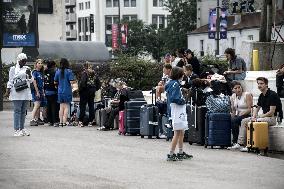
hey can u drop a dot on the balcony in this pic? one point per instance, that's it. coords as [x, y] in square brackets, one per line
[71, 34]
[69, 3]
[70, 17]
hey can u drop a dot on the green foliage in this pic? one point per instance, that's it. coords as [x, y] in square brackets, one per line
[5, 71]
[210, 60]
[182, 21]
[138, 74]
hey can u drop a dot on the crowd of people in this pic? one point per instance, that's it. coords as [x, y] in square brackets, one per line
[50, 89]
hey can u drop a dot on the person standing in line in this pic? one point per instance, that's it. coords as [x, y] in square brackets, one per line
[38, 92]
[178, 114]
[21, 98]
[51, 94]
[63, 78]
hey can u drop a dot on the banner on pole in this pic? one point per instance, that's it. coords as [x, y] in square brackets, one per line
[223, 23]
[124, 34]
[114, 36]
[19, 20]
[212, 23]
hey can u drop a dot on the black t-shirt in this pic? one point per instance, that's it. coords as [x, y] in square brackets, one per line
[269, 99]
[195, 65]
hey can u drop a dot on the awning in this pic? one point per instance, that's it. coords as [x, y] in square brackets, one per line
[79, 51]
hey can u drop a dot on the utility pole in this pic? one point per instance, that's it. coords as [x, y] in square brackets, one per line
[217, 39]
[1, 66]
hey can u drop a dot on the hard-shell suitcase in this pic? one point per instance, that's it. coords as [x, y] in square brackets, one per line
[132, 117]
[196, 124]
[149, 121]
[102, 115]
[257, 136]
[121, 128]
[218, 130]
[276, 138]
[115, 122]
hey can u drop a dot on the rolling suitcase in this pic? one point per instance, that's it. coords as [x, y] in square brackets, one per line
[132, 117]
[276, 138]
[121, 128]
[102, 114]
[196, 124]
[149, 121]
[218, 130]
[257, 136]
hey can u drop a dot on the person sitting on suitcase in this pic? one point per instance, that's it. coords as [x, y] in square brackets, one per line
[177, 113]
[161, 85]
[117, 104]
[241, 103]
[268, 100]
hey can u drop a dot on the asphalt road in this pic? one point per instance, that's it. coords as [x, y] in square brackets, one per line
[73, 157]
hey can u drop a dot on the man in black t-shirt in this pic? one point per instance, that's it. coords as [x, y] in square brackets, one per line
[269, 102]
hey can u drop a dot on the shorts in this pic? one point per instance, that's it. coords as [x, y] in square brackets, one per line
[40, 99]
[62, 98]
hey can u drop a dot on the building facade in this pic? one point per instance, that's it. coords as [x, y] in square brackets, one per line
[95, 17]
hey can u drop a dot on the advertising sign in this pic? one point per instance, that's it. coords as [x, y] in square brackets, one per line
[212, 23]
[114, 36]
[19, 18]
[92, 30]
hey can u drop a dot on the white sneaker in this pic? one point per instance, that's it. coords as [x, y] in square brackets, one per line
[234, 147]
[18, 133]
[25, 132]
[245, 149]
[162, 136]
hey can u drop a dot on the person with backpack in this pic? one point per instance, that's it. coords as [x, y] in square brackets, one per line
[270, 104]
[51, 94]
[177, 113]
[237, 66]
[63, 78]
[88, 85]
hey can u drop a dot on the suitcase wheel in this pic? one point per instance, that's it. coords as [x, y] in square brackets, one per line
[190, 143]
[222, 147]
[205, 146]
[149, 137]
[167, 139]
[142, 136]
[211, 147]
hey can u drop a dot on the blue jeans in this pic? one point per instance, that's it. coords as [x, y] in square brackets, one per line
[20, 107]
[236, 123]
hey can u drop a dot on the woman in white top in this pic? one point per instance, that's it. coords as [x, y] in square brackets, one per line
[20, 98]
[241, 103]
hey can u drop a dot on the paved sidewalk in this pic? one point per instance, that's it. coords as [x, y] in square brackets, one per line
[72, 157]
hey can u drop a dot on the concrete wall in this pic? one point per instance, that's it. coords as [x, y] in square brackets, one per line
[265, 54]
[51, 27]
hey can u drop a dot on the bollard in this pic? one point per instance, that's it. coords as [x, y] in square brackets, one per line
[255, 60]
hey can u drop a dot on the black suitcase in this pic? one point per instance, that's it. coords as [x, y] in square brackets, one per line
[196, 124]
[132, 117]
[149, 121]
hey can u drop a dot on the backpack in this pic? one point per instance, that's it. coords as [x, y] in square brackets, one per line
[218, 104]
[49, 80]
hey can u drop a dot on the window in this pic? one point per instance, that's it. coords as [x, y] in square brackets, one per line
[233, 42]
[45, 6]
[201, 47]
[81, 6]
[129, 3]
[112, 3]
[88, 5]
[129, 17]
[158, 20]
[250, 37]
[108, 3]
[109, 20]
[158, 3]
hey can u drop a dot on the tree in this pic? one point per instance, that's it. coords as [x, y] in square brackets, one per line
[181, 22]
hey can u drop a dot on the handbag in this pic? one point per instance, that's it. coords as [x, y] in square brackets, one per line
[20, 85]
